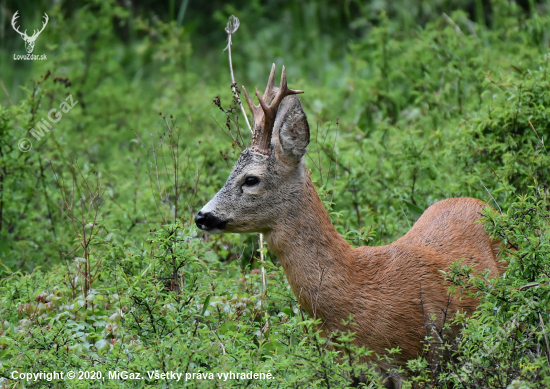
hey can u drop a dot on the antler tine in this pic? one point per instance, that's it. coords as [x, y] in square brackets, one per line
[284, 90]
[254, 108]
[269, 93]
[257, 115]
[270, 111]
[270, 89]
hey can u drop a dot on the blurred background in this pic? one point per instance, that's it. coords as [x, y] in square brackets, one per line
[305, 34]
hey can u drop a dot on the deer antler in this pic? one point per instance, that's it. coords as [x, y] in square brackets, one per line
[43, 26]
[264, 114]
[15, 16]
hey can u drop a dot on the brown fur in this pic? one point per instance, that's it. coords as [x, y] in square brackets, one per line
[392, 290]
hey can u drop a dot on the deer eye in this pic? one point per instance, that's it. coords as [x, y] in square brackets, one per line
[251, 181]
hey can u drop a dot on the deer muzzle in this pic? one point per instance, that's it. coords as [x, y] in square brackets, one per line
[208, 222]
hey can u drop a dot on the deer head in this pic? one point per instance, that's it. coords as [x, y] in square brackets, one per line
[269, 173]
[29, 40]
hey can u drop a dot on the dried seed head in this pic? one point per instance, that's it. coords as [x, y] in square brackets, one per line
[232, 24]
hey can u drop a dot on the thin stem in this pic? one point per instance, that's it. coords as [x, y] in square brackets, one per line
[232, 26]
[264, 283]
[500, 210]
[545, 340]
[158, 179]
[230, 32]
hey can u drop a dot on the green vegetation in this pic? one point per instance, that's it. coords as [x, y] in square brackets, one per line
[101, 266]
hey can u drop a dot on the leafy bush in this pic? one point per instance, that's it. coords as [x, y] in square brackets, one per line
[505, 342]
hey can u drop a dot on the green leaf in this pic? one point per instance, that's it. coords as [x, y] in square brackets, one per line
[414, 208]
[205, 304]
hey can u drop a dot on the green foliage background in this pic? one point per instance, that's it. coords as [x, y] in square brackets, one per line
[409, 102]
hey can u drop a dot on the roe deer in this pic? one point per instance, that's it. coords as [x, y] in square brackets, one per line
[392, 290]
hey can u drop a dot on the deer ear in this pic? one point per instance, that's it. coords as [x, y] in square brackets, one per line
[291, 129]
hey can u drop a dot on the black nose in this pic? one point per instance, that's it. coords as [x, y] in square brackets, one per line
[207, 221]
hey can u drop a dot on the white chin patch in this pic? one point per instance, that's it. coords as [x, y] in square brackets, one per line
[213, 231]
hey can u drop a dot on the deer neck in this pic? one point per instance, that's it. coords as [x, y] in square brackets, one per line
[315, 257]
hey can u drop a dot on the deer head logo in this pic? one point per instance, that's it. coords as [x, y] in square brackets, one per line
[29, 40]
